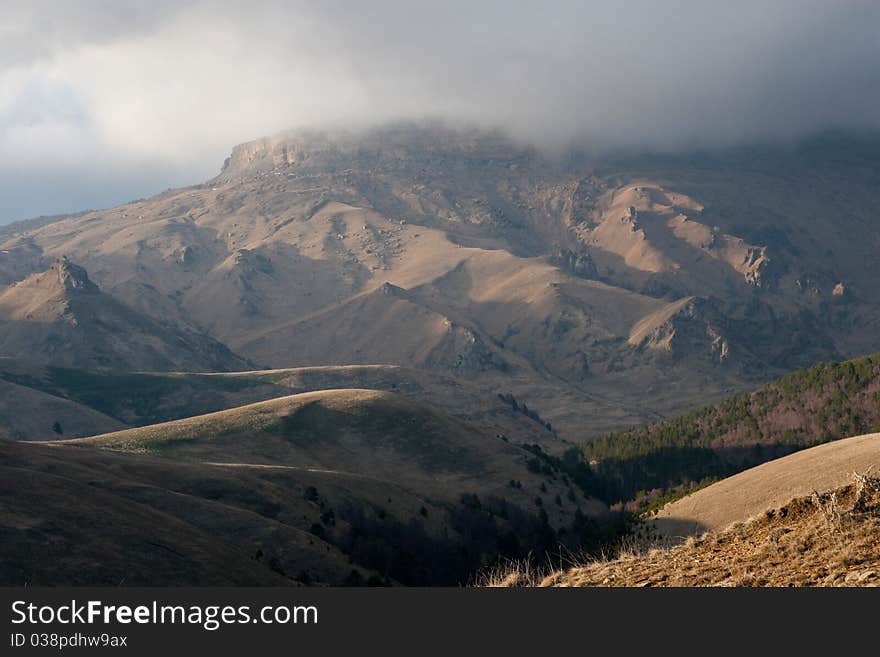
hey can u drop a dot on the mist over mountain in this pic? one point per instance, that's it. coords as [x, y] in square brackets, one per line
[599, 292]
[100, 103]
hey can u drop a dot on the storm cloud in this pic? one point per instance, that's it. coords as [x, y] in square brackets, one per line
[102, 100]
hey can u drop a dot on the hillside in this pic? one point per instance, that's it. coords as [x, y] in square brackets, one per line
[61, 317]
[804, 408]
[26, 414]
[318, 484]
[828, 541]
[143, 398]
[607, 293]
[769, 486]
[807, 519]
[359, 432]
[175, 524]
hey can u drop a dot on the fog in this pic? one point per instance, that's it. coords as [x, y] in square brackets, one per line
[105, 100]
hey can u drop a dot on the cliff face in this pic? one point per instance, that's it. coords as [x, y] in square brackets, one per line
[402, 145]
[71, 277]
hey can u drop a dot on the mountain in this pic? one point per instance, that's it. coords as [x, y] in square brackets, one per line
[804, 408]
[614, 289]
[60, 316]
[327, 487]
[401, 354]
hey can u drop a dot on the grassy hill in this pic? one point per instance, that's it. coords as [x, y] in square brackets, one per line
[386, 488]
[144, 398]
[770, 485]
[802, 409]
[366, 432]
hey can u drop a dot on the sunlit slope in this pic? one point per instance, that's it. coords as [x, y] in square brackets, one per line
[771, 485]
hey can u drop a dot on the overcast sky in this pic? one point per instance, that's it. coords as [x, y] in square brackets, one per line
[102, 101]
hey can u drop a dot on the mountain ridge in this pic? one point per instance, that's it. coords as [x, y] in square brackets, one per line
[549, 264]
[64, 317]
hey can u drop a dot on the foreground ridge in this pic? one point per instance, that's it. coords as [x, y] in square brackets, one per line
[828, 539]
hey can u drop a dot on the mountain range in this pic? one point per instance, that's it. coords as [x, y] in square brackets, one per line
[396, 355]
[602, 292]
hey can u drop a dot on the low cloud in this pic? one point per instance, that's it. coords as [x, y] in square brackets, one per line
[111, 99]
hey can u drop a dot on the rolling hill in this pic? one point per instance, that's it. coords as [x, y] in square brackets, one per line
[770, 485]
[142, 398]
[310, 488]
[359, 432]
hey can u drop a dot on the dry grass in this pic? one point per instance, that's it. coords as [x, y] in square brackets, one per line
[770, 485]
[828, 539]
[512, 573]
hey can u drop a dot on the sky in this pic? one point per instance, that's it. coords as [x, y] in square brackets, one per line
[103, 101]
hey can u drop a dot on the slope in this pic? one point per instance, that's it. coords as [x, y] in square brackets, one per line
[62, 317]
[142, 398]
[96, 518]
[28, 414]
[403, 492]
[823, 403]
[827, 539]
[770, 485]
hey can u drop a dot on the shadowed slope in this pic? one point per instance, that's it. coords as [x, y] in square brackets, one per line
[406, 493]
[358, 432]
[27, 414]
[142, 398]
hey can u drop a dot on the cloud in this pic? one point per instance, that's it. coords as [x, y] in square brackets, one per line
[156, 93]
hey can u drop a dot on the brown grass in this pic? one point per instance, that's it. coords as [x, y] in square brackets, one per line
[828, 539]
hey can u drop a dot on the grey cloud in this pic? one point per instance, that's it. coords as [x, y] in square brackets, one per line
[37, 29]
[173, 85]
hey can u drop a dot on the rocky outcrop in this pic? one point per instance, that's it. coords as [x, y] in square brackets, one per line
[691, 328]
[578, 263]
[404, 144]
[72, 278]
